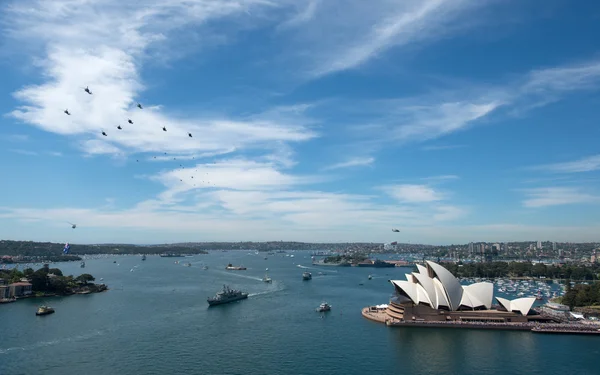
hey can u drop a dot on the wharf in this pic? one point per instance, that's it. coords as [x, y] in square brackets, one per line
[380, 316]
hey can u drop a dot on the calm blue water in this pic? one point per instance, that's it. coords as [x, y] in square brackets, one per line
[155, 320]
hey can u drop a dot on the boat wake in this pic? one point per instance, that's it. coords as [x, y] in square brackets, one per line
[42, 344]
[242, 276]
[266, 292]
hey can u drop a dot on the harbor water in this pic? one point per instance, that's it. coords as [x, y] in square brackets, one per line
[155, 320]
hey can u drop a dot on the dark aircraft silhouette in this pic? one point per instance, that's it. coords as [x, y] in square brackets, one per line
[396, 230]
[67, 112]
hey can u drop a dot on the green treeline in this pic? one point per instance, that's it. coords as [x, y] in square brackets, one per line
[50, 280]
[354, 258]
[50, 249]
[523, 269]
[582, 295]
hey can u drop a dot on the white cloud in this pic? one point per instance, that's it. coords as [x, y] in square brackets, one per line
[103, 46]
[353, 162]
[587, 164]
[554, 196]
[409, 193]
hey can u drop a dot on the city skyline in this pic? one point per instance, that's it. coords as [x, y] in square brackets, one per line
[453, 121]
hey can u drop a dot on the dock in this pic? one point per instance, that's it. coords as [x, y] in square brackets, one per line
[380, 315]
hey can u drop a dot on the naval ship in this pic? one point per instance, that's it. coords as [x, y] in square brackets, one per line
[226, 295]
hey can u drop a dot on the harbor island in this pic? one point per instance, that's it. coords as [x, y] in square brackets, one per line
[434, 297]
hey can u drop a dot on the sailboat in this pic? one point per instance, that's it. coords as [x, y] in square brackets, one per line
[267, 279]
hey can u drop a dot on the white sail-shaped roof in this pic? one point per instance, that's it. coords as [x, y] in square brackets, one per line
[483, 293]
[437, 287]
[427, 284]
[522, 305]
[441, 298]
[451, 284]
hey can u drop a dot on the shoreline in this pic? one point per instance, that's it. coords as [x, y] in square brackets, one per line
[381, 316]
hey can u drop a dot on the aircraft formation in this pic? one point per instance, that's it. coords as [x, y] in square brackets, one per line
[130, 121]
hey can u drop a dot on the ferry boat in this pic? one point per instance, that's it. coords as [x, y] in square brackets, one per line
[324, 307]
[226, 295]
[306, 276]
[44, 310]
[370, 277]
[82, 265]
[144, 257]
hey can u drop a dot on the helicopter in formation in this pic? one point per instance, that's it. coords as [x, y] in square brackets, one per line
[396, 230]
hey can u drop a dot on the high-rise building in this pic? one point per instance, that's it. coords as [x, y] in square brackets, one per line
[471, 248]
[539, 244]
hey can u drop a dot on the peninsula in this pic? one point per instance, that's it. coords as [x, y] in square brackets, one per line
[45, 282]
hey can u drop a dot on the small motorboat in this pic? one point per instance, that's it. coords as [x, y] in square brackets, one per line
[324, 307]
[205, 267]
[44, 310]
[370, 277]
[306, 276]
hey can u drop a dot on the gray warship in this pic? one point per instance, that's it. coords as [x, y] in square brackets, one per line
[226, 295]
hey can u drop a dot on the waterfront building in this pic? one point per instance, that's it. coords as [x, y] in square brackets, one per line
[434, 294]
[20, 289]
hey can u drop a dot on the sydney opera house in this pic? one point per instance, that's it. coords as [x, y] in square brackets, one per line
[433, 294]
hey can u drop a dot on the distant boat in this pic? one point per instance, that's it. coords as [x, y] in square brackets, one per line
[188, 264]
[82, 265]
[324, 307]
[144, 257]
[205, 267]
[44, 310]
[306, 276]
[171, 255]
[231, 267]
[370, 277]
[267, 279]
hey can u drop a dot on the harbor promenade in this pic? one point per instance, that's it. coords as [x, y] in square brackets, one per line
[381, 316]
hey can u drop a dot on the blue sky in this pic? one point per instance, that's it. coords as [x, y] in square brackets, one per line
[312, 120]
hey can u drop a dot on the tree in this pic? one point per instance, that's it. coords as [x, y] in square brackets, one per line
[55, 271]
[85, 278]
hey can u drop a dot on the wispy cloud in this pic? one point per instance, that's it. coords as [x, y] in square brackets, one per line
[353, 162]
[24, 152]
[442, 147]
[440, 178]
[409, 193]
[555, 196]
[587, 164]
[15, 137]
[364, 30]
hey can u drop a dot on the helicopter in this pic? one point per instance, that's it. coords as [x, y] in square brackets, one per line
[67, 112]
[396, 230]
[139, 106]
[164, 128]
[129, 121]
[73, 225]
[119, 127]
[104, 134]
[190, 135]
[87, 90]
